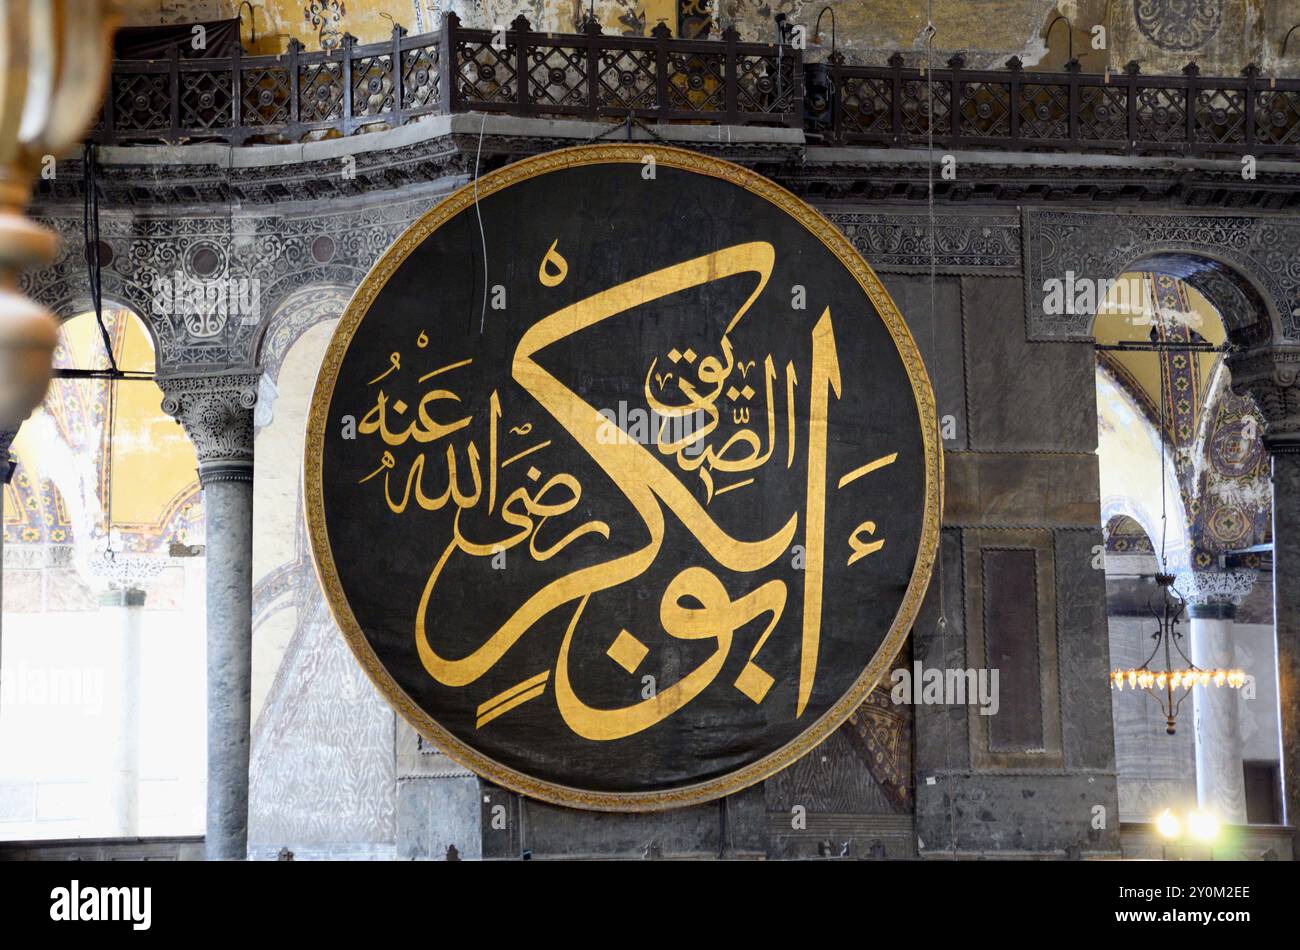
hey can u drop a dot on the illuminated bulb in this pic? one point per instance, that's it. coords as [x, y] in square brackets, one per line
[1219, 677]
[1161, 679]
[1168, 824]
[1145, 679]
[1132, 679]
[1205, 679]
[1203, 825]
[1237, 678]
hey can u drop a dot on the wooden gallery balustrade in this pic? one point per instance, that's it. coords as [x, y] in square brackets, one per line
[356, 88]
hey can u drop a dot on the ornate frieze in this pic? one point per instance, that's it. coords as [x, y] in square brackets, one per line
[209, 279]
[961, 244]
[207, 284]
[1215, 595]
[217, 413]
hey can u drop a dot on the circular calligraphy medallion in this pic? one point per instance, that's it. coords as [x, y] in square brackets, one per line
[642, 517]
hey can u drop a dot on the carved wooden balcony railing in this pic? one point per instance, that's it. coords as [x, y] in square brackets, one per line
[1015, 110]
[356, 88]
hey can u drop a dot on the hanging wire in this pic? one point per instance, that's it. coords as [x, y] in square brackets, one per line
[482, 235]
[1157, 327]
[934, 349]
[111, 424]
[90, 237]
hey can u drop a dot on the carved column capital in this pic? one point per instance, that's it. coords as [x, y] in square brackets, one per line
[1270, 375]
[1215, 594]
[217, 414]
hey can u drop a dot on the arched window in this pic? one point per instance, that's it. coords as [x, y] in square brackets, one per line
[101, 661]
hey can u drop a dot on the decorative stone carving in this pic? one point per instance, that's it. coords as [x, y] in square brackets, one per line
[963, 244]
[1269, 375]
[1178, 25]
[1244, 265]
[861, 176]
[125, 571]
[1215, 588]
[301, 226]
[270, 257]
[217, 413]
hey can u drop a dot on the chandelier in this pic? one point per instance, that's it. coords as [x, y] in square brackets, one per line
[1165, 684]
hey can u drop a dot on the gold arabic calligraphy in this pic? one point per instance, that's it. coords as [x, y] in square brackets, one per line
[695, 604]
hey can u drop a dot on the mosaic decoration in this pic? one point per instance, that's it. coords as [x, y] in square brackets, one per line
[35, 512]
[1217, 452]
[881, 733]
[1125, 536]
[1233, 496]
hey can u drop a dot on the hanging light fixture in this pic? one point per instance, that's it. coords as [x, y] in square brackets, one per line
[1168, 685]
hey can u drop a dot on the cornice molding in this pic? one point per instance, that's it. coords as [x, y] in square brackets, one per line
[448, 146]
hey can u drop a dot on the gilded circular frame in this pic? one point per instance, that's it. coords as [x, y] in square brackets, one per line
[318, 416]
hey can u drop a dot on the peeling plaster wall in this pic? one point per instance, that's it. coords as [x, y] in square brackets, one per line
[152, 12]
[1160, 35]
[988, 32]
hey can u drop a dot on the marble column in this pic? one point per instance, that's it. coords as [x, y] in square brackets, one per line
[1212, 601]
[123, 612]
[217, 413]
[1268, 373]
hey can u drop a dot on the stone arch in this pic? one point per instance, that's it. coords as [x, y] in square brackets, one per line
[1241, 303]
[1116, 520]
[1240, 264]
[284, 294]
[79, 301]
[143, 255]
[299, 309]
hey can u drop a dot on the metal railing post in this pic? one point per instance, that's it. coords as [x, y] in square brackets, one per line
[398, 83]
[447, 70]
[349, 43]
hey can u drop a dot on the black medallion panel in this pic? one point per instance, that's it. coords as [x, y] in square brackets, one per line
[621, 477]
